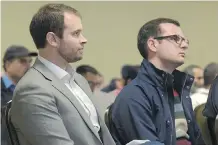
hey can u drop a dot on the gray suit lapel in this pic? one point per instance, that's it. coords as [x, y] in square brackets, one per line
[59, 85]
[67, 93]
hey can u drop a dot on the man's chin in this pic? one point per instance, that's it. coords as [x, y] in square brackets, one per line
[179, 63]
[75, 60]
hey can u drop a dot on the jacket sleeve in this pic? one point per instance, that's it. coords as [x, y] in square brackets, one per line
[211, 107]
[132, 118]
[34, 113]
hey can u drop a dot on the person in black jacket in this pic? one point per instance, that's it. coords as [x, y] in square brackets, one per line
[156, 105]
[16, 62]
[211, 109]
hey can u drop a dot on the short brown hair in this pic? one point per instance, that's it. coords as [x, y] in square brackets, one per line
[49, 18]
[151, 29]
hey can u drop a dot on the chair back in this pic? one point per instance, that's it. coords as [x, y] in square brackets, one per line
[110, 125]
[202, 123]
[11, 130]
[216, 128]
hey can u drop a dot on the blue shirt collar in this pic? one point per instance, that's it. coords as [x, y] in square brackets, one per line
[8, 83]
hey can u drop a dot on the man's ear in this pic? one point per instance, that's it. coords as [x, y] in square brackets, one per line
[52, 39]
[152, 44]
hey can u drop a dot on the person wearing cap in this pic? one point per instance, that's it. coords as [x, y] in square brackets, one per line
[16, 62]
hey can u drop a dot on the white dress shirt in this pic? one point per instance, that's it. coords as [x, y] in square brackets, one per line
[200, 97]
[68, 79]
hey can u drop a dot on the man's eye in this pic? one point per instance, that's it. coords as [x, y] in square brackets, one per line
[176, 38]
[77, 33]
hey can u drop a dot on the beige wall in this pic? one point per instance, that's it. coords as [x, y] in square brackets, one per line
[112, 27]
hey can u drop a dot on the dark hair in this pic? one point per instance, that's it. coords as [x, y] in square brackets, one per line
[210, 72]
[129, 72]
[111, 86]
[49, 18]
[151, 29]
[189, 69]
[83, 69]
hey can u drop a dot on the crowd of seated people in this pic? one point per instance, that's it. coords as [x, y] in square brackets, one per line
[103, 95]
[106, 95]
[152, 103]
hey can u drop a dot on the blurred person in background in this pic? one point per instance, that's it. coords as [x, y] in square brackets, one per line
[115, 85]
[90, 74]
[100, 81]
[197, 72]
[102, 99]
[16, 61]
[201, 94]
[211, 109]
[129, 72]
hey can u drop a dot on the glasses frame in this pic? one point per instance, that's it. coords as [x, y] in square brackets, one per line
[176, 38]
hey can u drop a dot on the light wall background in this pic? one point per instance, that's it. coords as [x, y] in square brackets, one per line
[111, 29]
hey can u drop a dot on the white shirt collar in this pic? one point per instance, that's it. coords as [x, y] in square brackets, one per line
[59, 72]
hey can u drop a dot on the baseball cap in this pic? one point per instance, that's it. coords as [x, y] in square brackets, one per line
[16, 51]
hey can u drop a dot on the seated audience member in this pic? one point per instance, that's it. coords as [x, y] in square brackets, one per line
[156, 105]
[201, 95]
[90, 74]
[129, 72]
[114, 86]
[16, 61]
[102, 100]
[100, 82]
[211, 108]
[197, 72]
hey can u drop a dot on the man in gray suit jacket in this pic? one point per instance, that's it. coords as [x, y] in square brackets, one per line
[51, 103]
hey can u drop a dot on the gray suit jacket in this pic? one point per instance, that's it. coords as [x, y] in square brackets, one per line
[45, 112]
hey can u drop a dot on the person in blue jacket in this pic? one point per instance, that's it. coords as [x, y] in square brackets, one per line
[156, 105]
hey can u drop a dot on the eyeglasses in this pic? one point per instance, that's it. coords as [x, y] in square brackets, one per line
[178, 39]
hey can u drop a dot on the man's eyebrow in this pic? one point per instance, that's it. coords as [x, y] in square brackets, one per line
[78, 30]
